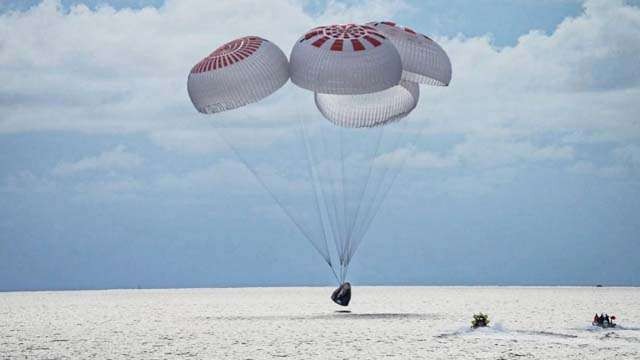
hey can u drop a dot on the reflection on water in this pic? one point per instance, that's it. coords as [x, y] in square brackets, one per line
[336, 315]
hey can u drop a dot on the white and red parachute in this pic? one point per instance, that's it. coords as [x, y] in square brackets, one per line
[423, 60]
[237, 73]
[365, 81]
[345, 59]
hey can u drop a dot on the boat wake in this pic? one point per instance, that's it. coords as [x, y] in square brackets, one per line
[498, 329]
[547, 333]
[493, 329]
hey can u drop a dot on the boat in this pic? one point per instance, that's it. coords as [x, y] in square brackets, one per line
[604, 324]
[480, 320]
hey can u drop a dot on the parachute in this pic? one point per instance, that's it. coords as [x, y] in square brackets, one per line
[369, 110]
[237, 73]
[423, 60]
[345, 59]
[330, 173]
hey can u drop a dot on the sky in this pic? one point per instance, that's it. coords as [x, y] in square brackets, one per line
[527, 171]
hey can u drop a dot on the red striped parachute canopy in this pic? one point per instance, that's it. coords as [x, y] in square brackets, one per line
[344, 60]
[237, 73]
[423, 60]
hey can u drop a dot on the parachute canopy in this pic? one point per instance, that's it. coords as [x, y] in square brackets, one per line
[345, 59]
[372, 109]
[237, 73]
[423, 60]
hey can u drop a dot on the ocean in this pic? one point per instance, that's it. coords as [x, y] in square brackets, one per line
[303, 323]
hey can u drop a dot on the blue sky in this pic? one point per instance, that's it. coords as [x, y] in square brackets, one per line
[527, 171]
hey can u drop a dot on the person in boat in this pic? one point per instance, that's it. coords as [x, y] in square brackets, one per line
[480, 320]
[604, 320]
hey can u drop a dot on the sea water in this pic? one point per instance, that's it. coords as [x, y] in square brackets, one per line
[303, 323]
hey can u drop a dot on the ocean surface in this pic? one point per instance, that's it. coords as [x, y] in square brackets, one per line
[303, 323]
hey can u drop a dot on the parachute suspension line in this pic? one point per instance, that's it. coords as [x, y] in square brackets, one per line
[346, 270]
[375, 187]
[385, 192]
[364, 202]
[339, 190]
[352, 209]
[335, 275]
[342, 188]
[378, 206]
[343, 273]
[368, 216]
[332, 198]
[326, 200]
[284, 209]
[312, 177]
[366, 185]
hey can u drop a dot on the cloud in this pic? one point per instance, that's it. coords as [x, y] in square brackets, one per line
[623, 161]
[428, 159]
[628, 154]
[109, 187]
[209, 139]
[225, 174]
[579, 79]
[26, 181]
[230, 176]
[411, 158]
[481, 154]
[124, 71]
[116, 159]
[476, 184]
[584, 167]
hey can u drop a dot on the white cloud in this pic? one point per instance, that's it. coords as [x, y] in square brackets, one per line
[223, 175]
[208, 139]
[188, 140]
[109, 187]
[493, 154]
[623, 161]
[584, 167]
[125, 71]
[482, 154]
[477, 184]
[430, 160]
[415, 159]
[582, 78]
[116, 159]
[454, 183]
